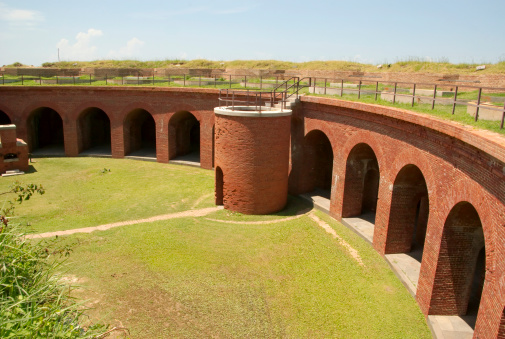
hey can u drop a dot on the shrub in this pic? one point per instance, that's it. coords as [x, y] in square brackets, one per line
[34, 302]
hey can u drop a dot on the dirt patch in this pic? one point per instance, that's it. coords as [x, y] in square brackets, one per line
[352, 251]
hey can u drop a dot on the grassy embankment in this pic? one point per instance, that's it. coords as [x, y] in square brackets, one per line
[410, 65]
[194, 277]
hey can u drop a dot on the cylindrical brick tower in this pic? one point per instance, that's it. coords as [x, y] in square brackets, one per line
[252, 159]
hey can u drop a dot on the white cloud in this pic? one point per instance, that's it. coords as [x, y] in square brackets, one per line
[19, 17]
[82, 48]
[131, 49]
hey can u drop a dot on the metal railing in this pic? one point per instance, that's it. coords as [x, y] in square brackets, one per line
[282, 89]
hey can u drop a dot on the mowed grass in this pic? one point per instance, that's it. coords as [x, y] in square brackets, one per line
[80, 193]
[195, 277]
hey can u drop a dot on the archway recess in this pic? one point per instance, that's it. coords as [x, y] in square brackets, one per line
[45, 132]
[184, 136]
[140, 134]
[461, 265]
[361, 187]
[94, 132]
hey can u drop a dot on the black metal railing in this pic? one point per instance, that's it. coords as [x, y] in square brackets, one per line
[282, 89]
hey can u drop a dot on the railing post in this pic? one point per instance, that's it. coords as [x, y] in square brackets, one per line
[40, 80]
[261, 82]
[73, 79]
[413, 94]
[325, 82]
[153, 78]
[105, 79]
[245, 81]
[359, 90]
[478, 104]
[215, 81]
[122, 80]
[90, 78]
[376, 89]
[233, 101]
[455, 98]
[502, 116]
[315, 80]
[200, 80]
[57, 82]
[230, 81]
[168, 84]
[184, 81]
[342, 87]
[434, 97]
[394, 94]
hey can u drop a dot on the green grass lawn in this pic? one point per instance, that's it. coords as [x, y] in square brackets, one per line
[194, 277]
[79, 194]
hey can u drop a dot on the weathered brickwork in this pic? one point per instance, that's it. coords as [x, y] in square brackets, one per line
[443, 179]
[253, 155]
[13, 151]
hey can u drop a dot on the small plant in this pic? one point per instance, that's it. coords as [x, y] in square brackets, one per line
[34, 303]
[105, 171]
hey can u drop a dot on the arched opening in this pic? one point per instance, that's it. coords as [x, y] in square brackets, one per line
[408, 216]
[460, 273]
[4, 119]
[140, 134]
[94, 132]
[45, 132]
[318, 154]
[361, 187]
[184, 135]
[219, 186]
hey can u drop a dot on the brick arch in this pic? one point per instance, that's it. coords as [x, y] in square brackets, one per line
[409, 211]
[77, 111]
[139, 132]
[44, 129]
[458, 274]
[318, 161]
[94, 130]
[361, 181]
[183, 134]
[402, 159]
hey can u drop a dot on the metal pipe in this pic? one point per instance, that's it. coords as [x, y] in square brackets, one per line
[394, 94]
[478, 104]
[359, 90]
[434, 97]
[413, 95]
[455, 98]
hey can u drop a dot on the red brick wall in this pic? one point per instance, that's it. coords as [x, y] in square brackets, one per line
[253, 154]
[458, 164]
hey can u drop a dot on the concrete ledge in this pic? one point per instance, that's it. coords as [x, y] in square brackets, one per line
[250, 111]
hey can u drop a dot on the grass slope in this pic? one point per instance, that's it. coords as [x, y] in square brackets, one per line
[409, 66]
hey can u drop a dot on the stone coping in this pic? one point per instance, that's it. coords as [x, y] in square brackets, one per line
[7, 127]
[250, 111]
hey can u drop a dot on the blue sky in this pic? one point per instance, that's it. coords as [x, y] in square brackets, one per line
[363, 30]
